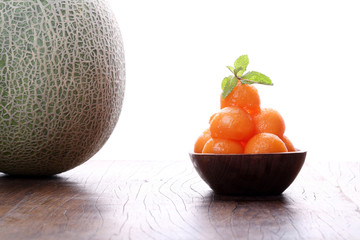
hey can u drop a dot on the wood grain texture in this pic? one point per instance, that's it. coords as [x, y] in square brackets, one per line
[168, 200]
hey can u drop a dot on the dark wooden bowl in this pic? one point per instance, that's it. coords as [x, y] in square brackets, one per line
[248, 174]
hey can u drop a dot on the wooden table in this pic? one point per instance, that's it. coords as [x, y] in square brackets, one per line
[168, 200]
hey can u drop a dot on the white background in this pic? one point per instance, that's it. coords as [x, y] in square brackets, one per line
[176, 57]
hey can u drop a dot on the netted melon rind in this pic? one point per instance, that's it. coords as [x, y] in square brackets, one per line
[62, 82]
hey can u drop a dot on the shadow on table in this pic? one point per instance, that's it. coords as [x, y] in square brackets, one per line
[283, 199]
[53, 207]
[215, 201]
[249, 217]
[52, 187]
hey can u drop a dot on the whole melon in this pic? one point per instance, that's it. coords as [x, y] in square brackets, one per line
[62, 83]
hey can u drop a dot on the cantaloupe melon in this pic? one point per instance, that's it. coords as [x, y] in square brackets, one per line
[62, 83]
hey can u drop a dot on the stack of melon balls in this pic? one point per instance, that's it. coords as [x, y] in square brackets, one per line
[241, 125]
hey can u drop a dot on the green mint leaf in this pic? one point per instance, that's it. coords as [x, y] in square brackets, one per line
[224, 82]
[230, 68]
[243, 62]
[255, 77]
[239, 71]
[229, 85]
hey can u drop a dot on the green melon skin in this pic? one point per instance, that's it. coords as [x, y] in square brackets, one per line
[62, 83]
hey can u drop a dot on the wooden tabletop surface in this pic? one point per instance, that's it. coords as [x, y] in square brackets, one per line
[168, 200]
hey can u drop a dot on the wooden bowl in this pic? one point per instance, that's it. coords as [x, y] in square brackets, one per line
[248, 174]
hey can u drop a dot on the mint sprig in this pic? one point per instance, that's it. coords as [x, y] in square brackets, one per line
[238, 71]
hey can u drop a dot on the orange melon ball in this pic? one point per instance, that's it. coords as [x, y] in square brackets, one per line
[290, 147]
[232, 123]
[269, 121]
[211, 117]
[265, 143]
[223, 146]
[200, 142]
[243, 96]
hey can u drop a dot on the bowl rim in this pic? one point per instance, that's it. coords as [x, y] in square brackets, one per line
[248, 154]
